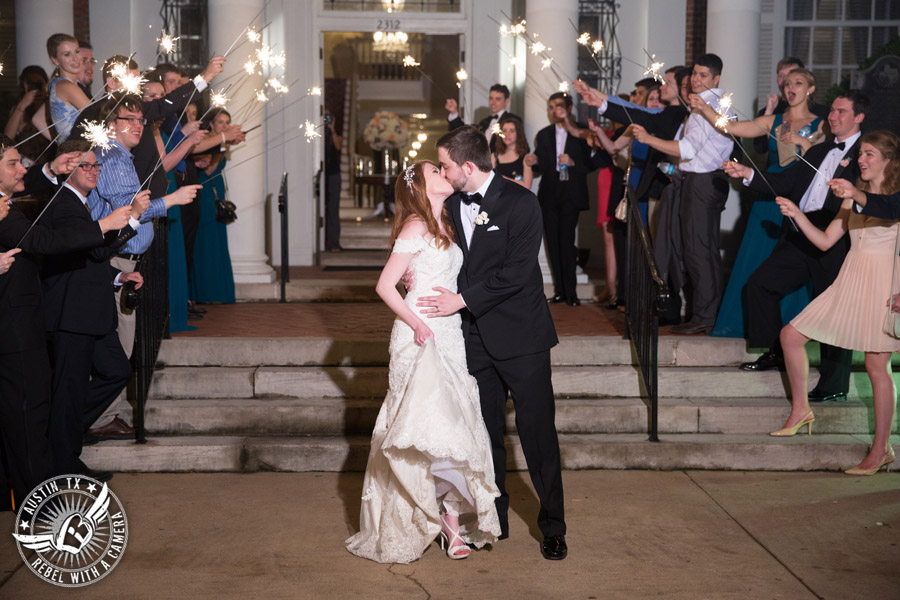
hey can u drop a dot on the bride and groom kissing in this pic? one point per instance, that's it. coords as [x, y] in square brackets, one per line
[473, 327]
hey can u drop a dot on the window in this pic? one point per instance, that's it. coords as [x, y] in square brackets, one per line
[833, 36]
[395, 6]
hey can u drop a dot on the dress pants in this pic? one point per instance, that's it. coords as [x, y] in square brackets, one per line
[25, 458]
[560, 221]
[332, 211]
[786, 269]
[528, 379]
[89, 372]
[703, 197]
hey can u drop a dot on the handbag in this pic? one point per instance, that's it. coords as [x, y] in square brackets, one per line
[622, 207]
[226, 210]
[891, 324]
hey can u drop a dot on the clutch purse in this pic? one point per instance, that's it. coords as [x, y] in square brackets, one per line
[226, 210]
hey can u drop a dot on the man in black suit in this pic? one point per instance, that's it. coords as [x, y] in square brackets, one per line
[795, 260]
[90, 367]
[25, 458]
[563, 160]
[505, 319]
[498, 102]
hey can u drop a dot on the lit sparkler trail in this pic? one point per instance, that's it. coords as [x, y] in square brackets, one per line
[253, 35]
[546, 63]
[409, 61]
[310, 132]
[167, 42]
[654, 68]
[97, 134]
[218, 99]
[244, 30]
[495, 130]
[132, 83]
[461, 76]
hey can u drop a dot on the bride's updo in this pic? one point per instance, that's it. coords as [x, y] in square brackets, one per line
[411, 202]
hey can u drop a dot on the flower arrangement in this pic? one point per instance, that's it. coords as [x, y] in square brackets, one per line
[386, 131]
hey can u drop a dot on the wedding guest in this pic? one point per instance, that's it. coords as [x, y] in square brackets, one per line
[563, 160]
[790, 134]
[89, 366]
[26, 119]
[66, 98]
[86, 78]
[867, 280]
[430, 469]
[511, 148]
[25, 372]
[333, 144]
[795, 261]
[498, 103]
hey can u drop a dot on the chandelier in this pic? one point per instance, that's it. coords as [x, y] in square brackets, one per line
[394, 42]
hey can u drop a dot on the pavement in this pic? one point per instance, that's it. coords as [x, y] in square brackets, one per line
[632, 534]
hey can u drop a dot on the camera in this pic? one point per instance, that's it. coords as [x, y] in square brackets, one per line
[131, 298]
[328, 118]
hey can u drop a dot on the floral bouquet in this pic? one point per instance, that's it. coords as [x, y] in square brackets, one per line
[386, 131]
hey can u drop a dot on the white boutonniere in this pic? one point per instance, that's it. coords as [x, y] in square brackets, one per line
[482, 218]
[845, 162]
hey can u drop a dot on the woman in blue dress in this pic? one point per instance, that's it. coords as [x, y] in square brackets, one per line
[65, 98]
[213, 278]
[791, 134]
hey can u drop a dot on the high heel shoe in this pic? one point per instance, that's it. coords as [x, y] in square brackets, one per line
[789, 431]
[885, 462]
[457, 552]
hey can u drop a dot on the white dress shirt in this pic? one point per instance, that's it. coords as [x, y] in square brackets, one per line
[561, 134]
[814, 197]
[468, 212]
[703, 148]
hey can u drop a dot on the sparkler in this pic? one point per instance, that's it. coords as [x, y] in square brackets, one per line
[245, 29]
[218, 99]
[253, 35]
[310, 131]
[132, 83]
[409, 61]
[97, 134]
[461, 76]
[495, 130]
[167, 42]
[654, 68]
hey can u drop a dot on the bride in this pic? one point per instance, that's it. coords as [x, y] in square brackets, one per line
[430, 471]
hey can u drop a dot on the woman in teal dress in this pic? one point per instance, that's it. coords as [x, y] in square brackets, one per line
[213, 279]
[790, 133]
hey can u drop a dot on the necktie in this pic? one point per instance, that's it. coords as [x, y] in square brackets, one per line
[468, 199]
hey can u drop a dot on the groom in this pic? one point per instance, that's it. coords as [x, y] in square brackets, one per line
[505, 319]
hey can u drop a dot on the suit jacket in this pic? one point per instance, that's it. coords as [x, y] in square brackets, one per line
[882, 206]
[78, 286]
[500, 279]
[21, 315]
[551, 189]
[793, 182]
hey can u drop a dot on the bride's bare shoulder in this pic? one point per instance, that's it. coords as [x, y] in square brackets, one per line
[412, 229]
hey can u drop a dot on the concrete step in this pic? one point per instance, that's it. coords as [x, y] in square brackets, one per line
[568, 381]
[827, 452]
[682, 351]
[336, 416]
[354, 258]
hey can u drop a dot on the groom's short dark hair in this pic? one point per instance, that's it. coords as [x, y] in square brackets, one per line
[467, 144]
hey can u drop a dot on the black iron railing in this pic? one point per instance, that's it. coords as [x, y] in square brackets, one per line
[646, 296]
[152, 321]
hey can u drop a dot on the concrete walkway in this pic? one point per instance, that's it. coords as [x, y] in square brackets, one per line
[632, 534]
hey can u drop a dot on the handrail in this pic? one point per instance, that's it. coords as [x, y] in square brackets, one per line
[646, 295]
[152, 321]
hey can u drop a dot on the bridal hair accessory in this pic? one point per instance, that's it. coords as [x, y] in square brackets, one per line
[408, 176]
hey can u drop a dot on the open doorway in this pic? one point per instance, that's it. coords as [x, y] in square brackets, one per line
[387, 116]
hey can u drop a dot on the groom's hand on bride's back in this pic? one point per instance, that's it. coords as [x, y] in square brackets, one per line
[444, 304]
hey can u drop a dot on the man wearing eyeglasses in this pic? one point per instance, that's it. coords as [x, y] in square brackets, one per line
[90, 367]
[117, 185]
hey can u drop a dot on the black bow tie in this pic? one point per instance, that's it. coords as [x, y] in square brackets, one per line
[840, 145]
[494, 116]
[468, 199]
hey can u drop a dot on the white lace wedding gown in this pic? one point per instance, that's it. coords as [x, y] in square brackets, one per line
[429, 438]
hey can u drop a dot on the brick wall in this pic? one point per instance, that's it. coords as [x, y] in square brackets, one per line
[81, 14]
[695, 45]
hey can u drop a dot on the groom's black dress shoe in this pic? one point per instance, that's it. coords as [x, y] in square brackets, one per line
[554, 547]
[573, 301]
[818, 395]
[766, 362]
[557, 299]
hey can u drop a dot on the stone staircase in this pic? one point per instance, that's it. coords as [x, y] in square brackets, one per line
[309, 404]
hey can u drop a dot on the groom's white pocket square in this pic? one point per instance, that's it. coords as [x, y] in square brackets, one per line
[493, 228]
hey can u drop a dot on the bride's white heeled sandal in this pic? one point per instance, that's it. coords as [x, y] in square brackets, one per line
[457, 552]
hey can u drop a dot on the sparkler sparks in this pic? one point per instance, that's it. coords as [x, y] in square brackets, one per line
[167, 42]
[310, 132]
[725, 103]
[564, 87]
[517, 29]
[132, 83]
[654, 69]
[218, 99]
[409, 61]
[597, 46]
[97, 134]
[250, 67]
[545, 64]
[495, 130]
[313, 91]
[118, 70]
[461, 75]
[538, 47]
[261, 96]
[584, 39]
[253, 35]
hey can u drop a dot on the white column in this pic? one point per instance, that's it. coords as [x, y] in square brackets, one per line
[246, 182]
[732, 32]
[549, 20]
[36, 20]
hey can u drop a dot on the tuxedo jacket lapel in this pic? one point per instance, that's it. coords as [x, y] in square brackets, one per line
[453, 205]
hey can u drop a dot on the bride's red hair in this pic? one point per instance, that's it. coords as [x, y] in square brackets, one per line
[411, 202]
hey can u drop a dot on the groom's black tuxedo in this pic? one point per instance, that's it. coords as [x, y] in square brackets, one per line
[509, 333]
